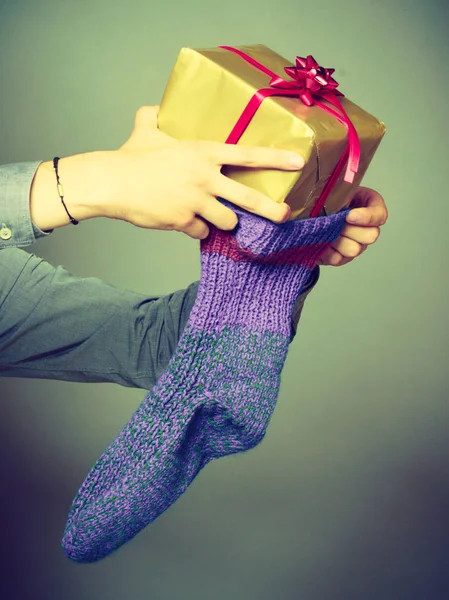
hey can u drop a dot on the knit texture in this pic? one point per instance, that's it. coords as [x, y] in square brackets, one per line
[219, 390]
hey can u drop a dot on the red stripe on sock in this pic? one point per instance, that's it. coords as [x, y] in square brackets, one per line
[224, 243]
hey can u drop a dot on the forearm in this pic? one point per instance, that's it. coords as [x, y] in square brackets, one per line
[55, 325]
[78, 179]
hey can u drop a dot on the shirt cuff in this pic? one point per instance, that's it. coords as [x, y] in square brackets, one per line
[16, 226]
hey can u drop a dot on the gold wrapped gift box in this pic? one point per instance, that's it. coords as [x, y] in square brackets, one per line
[207, 92]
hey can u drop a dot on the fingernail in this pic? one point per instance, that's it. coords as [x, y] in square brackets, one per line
[296, 160]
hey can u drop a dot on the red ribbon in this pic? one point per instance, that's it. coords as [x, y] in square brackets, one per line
[312, 84]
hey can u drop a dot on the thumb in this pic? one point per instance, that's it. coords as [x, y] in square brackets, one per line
[145, 128]
[146, 117]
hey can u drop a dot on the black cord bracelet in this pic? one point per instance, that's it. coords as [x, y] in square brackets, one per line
[61, 191]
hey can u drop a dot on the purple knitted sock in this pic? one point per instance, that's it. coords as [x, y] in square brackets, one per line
[219, 390]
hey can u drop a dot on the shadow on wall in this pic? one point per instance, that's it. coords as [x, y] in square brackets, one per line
[34, 502]
[397, 549]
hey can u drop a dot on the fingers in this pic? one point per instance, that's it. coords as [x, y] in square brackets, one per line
[248, 199]
[342, 251]
[348, 248]
[331, 257]
[370, 208]
[362, 235]
[197, 229]
[353, 241]
[249, 156]
[222, 217]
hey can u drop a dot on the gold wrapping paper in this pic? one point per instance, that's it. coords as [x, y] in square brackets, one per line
[208, 90]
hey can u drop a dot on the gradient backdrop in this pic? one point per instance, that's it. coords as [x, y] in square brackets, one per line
[348, 495]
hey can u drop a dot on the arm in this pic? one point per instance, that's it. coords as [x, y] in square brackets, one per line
[55, 325]
[30, 206]
[77, 174]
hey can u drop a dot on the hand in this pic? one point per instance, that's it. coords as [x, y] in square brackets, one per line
[370, 208]
[157, 182]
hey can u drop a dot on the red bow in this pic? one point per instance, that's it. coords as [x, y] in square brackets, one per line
[309, 78]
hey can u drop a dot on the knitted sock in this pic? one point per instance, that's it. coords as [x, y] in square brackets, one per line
[219, 390]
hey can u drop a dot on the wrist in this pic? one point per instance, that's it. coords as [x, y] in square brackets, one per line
[76, 175]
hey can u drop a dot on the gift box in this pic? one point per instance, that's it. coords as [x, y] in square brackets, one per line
[252, 96]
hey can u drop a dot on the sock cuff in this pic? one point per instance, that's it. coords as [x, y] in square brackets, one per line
[259, 240]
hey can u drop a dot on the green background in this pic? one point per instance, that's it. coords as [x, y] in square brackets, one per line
[348, 495]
